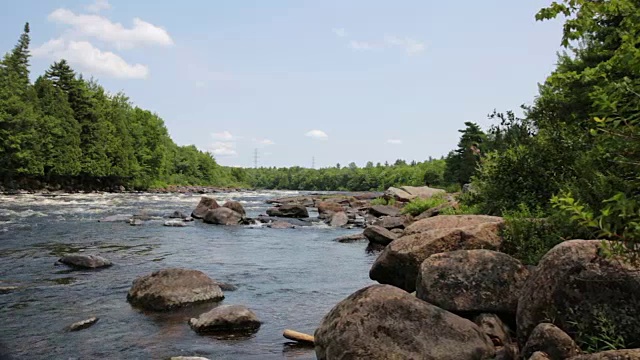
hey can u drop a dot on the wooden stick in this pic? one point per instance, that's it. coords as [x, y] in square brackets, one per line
[298, 336]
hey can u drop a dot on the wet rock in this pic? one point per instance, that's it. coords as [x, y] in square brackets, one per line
[626, 354]
[549, 339]
[380, 320]
[177, 215]
[328, 208]
[577, 275]
[400, 261]
[226, 286]
[206, 204]
[235, 206]
[222, 216]
[379, 235]
[292, 211]
[176, 223]
[116, 218]
[136, 222]
[188, 219]
[472, 281]
[7, 289]
[171, 288]
[392, 222]
[80, 325]
[85, 261]
[492, 325]
[339, 219]
[281, 225]
[384, 210]
[226, 319]
[351, 238]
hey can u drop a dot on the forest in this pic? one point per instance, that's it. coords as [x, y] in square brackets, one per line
[66, 132]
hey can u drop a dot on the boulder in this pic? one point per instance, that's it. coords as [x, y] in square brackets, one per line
[472, 281]
[85, 261]
[292, 210]
[538, 355]
[626, 354]
[492, 325]
[577, 275]
[549, 339]
[400, 261]
[327, 208]
[206, 204]
[384, 322]
[408, 193]
[450, 222]
[392, 222]
[226, 319]
[351, 238]
[281, 225]
[80, 325]
[339, 219]
[434, 211]
[222, 216]
[398, 194]
[171, 288]
[379, 235]
[384, 210]
[235, 206]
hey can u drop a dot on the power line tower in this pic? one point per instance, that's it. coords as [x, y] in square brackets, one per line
[255, 158]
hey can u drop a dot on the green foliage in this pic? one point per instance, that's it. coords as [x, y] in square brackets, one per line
[418, 205]
[601, 336]
[383, 201]
[66, 131]
[461, 164]
[461, 209]
[528, 233]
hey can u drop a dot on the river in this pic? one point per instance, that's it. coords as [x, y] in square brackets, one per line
[289, 277]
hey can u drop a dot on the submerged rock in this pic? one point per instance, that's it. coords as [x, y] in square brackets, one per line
[80, 325]
[85, 261]
[351, 238]
[281, 225]
[170, 288]
[177, 215]
[226, 319]
[381, 320]
[206, 203]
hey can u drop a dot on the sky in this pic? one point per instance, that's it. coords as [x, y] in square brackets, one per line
[301, 82]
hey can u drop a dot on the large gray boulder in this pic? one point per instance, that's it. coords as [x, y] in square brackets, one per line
[289, 210]
[222, 216]
[171, 288]
[226, 319]
[577, 275]
[384, 210]
[235, 206]
[206, 204]
[379, 235]
[85, 261]
[408, 193]
[384, 322]
[472, 281]
[400, 261]
[339, 219]
[392, 222]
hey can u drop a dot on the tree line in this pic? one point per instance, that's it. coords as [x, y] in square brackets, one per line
[63, 131]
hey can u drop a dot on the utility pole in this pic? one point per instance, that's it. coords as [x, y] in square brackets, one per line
[255, 158]
[313, 162]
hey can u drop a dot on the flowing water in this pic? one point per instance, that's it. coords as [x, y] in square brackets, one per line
[289, 277]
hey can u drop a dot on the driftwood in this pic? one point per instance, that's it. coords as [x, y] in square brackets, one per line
[298, 336]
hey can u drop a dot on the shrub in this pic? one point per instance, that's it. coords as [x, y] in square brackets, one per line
[419, 205]
[462, 209]
[383, 201]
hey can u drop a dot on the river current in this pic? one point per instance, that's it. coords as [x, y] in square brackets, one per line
[289, 277]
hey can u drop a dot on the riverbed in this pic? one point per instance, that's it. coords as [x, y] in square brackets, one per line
[289, 277]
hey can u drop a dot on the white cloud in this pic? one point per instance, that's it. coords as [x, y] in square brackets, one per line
[340, 32]
[87, 57]
[220, 148]
[142, 32]
[225, 135]
[394, 141]
[98, 5]
[317, 134]
[411, 46]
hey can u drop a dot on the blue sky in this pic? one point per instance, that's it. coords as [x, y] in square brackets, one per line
[337, 80]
